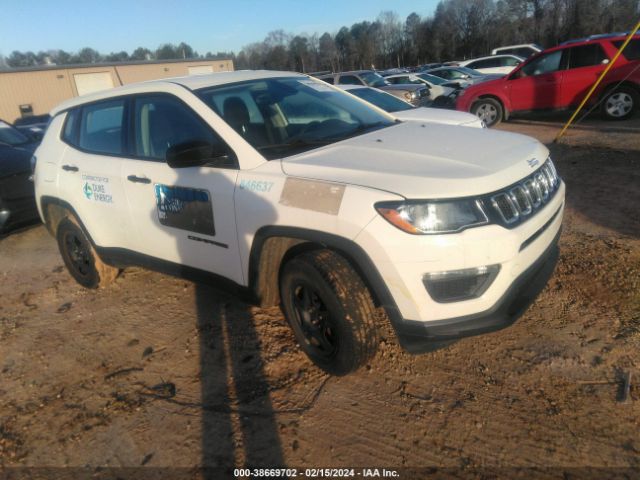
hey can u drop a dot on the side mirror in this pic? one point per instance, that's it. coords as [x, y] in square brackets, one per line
[193, 154]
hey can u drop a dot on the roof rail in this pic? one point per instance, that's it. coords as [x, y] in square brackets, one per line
[595, 37]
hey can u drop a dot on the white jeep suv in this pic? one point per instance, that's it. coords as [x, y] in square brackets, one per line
[311, 198]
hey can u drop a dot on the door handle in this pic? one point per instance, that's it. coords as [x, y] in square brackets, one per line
[134, 179]
[70, 168]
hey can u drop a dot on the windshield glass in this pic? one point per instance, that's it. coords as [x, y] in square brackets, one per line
[373, 79]
[382, 100]
[285, 116]
[407, 80]
[432, 78]
[10, 135]
[469, 71]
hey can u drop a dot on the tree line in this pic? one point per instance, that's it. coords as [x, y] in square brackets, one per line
[457, 29]
[166, 51]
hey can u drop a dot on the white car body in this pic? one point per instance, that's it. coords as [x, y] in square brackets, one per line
[425, 114]
[435, 90]
[503, 64]
[326, 195]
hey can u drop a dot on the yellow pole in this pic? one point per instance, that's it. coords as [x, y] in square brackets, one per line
[595, 85]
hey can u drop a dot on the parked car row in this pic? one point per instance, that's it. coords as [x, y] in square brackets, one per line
[517, 79]
[417, 95]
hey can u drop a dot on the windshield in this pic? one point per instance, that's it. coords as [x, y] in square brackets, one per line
[432, 78]
[382, 100]
[407, 80]
[11, 135]
[469, 71]
[373, 79]
[284, 116]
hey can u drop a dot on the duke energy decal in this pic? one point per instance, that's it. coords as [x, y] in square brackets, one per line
[97, 189]
[185, 208]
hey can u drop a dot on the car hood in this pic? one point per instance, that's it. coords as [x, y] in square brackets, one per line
[14, 160]
[423, 161]
[438, 115]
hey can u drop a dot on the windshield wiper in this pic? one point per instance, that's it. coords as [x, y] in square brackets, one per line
[298, 142]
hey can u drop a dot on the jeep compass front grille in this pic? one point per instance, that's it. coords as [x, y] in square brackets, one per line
[519, 202]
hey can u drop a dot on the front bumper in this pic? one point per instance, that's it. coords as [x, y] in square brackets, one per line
[415, 336]
[526, 255]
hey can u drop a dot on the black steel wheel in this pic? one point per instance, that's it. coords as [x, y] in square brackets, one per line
[330, 311]
[314, 320]
[81, 260]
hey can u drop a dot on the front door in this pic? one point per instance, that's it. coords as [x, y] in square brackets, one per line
[182, 215]
[537, 85]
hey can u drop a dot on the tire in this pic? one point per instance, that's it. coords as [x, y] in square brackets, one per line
[619, 103]
[488, 110]
[330, 311]
[80, 257]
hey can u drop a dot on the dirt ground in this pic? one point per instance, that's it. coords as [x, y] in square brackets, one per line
[160, 373]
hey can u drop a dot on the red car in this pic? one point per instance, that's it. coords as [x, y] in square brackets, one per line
[559, 78]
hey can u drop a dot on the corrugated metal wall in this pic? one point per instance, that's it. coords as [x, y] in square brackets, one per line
[44, 89]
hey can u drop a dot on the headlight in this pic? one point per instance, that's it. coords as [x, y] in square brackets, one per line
[407, 95]
[433, 217]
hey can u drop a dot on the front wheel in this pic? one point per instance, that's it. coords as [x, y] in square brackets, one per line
[619, 103]
[330, 311]
[488, 110]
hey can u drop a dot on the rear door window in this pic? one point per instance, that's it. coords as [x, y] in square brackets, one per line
[349, 80]
[586, 56]
[101, 127]
[486, 63]
[509, 61]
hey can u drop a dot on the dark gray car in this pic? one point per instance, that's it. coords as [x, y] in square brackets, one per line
[17, 197]
[417, 95]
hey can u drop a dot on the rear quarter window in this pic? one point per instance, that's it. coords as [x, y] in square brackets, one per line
[632, 51]
[70, 129]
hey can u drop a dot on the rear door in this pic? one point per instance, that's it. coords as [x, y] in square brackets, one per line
[181, 215]
[537, 85]
[586, 63]
[89, 176]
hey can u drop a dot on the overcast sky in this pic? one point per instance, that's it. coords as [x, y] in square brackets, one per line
[206, 25]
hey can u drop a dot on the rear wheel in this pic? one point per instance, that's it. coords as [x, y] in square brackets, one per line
[80, 257]
[330, 311]
[488, 110]
[619, 103]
